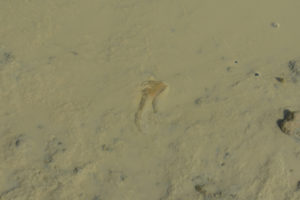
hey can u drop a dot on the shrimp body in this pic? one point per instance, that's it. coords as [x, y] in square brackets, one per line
[151, 89]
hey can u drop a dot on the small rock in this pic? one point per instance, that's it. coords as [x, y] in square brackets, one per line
[290, 124]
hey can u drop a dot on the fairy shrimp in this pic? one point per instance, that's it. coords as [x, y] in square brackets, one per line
[151, 90]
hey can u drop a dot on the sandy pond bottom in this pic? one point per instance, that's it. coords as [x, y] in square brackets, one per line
[70, 88]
